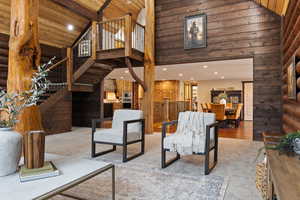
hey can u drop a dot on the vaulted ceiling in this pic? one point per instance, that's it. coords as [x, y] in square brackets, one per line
[54, 18]
[277, 6]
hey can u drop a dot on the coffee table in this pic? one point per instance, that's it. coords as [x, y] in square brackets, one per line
[73, 172]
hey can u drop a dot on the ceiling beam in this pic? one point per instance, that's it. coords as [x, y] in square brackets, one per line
[78, 9]
[106, 3]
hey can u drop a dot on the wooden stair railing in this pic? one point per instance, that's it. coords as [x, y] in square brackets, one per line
[120, 33]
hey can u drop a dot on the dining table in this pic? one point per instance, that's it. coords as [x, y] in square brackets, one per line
[228, 111]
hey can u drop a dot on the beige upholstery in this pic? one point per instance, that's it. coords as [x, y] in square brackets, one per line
[115, 134]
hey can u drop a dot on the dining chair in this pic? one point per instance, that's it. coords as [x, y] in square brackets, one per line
[203, 107]
[236, 118]
[208, 106]
[229, 105]
[219, 110]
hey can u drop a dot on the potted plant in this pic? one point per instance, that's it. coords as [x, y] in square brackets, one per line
[222, 98]
[289, 145]
[11, 104]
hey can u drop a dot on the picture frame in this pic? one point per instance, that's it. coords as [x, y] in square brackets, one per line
[291, 79]
[195, 31]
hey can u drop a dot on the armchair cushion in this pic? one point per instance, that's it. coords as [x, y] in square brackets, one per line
[115, 135]
[125, 115]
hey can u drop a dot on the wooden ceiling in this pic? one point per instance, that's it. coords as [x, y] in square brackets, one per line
[54, 18]
[277, 6]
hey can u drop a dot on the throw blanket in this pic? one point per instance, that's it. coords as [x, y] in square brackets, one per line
[189, 136]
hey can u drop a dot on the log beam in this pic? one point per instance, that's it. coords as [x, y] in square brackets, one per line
[134, 75]
[24, 57]
[149, 66]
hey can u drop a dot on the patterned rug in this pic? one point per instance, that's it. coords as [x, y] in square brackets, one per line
[137, 184]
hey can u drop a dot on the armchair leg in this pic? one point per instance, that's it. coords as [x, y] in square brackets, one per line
[126, 159]
[207, 168]
[164, 162]
[94, 154]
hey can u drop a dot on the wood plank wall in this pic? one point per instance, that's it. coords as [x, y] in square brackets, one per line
[236, 29]
[3, 59]
[290, 44]
[86, 106]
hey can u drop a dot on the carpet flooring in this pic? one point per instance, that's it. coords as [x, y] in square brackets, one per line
[141, 178]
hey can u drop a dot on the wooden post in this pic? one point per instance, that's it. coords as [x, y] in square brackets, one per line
[149, 68]
[128, 35]
[102, 102]
[24, 57]
[70, 68]
[94, 40]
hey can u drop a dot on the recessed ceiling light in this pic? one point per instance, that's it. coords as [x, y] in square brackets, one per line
[222, 77]
[122, 77]
[165, 69]
[215, 73]
[126, 71]
[70, 27]
[205, 66]
[180, 74]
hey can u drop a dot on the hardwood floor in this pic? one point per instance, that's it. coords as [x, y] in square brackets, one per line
[244, 131]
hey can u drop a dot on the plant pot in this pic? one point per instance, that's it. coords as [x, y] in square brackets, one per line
[6, 129]
[10, 151]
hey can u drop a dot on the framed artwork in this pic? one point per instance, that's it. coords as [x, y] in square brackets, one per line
[195, 31]
[291, 80]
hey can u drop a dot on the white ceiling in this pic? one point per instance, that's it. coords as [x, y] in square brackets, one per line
[216, 70]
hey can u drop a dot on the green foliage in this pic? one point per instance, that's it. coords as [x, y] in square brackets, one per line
[13, 103]
[222, 96]
[285, 146]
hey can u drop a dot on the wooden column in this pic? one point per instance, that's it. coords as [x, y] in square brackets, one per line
[149, 68]
[70, 68]
[24, 57]
[102, 102]
[94, 40]
[128, 35]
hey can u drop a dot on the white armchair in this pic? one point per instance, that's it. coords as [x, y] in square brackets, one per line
[201, 137]
[128, 127]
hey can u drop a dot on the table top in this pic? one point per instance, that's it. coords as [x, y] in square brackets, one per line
[284, 170]
[285, 175]
[71, 169]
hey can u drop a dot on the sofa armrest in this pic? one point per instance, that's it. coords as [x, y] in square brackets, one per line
[165, 125]
[95, 121]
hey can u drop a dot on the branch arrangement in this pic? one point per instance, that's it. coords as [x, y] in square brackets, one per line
[11, 104]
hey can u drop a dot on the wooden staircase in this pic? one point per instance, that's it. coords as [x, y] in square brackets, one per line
[108, 45]
[89, 74]
[83, 73]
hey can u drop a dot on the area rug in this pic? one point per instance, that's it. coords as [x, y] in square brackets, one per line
[137, 184]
